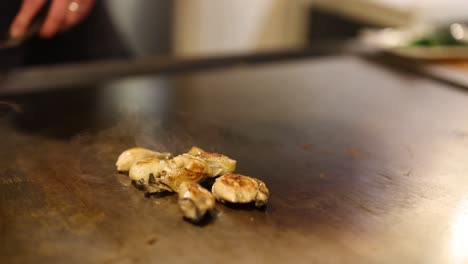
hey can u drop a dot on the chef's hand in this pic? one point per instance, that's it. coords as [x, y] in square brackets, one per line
[62, 15]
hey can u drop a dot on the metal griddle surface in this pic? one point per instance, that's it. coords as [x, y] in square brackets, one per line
[365, 165]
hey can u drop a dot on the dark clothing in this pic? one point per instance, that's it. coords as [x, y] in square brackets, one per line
[93, 39]
[8, 10]
[10, 57]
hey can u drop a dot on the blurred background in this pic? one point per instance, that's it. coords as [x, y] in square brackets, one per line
[205, 27]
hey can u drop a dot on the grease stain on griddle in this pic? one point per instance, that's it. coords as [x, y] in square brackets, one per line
[152, 241]
[356, 153]
[307, 147]
[384, 175]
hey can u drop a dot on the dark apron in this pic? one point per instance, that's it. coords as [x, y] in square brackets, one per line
[94, 39]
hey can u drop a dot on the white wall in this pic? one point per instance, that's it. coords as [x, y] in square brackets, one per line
[443, 10]
[145, 24]
[228, 26]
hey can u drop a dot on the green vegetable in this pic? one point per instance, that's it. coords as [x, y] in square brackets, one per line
[437, 39]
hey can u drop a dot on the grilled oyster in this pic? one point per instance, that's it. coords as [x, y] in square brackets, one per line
[237, 188]
[144, 173]
[218, 163]
[195, 201]
[157, 175]
[130, 156]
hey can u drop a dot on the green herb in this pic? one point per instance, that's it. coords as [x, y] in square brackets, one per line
[437, 39]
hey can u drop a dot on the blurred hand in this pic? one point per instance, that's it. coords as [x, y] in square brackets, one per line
[62, 15]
